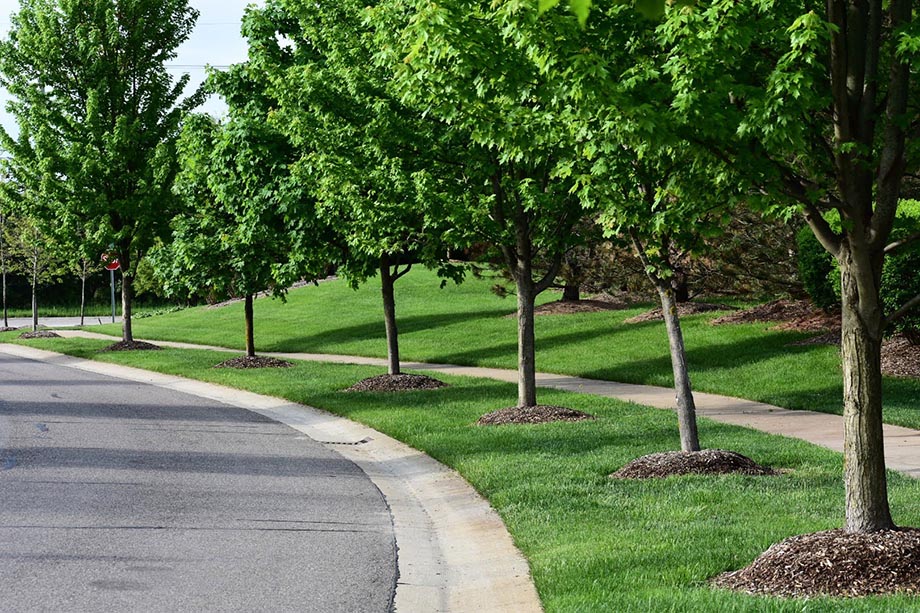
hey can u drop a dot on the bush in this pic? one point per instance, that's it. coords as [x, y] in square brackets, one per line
[900, 278]
[816, 268]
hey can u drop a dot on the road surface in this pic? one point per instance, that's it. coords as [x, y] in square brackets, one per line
[118, 496]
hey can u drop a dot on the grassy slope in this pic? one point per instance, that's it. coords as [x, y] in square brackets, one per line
[466, 324]
[594, 544]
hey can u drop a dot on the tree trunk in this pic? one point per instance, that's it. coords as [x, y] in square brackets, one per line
[686, 408]
[861, 342]
[250, 338]
[389, 315]
[527, 376]
[681, 287]
[34, 290]
[571, 292]
[6, 319]
[127, 298]
[83, 293]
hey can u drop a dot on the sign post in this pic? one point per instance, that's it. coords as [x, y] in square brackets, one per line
[111, 265]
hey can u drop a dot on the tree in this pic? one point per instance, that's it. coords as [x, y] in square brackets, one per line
[4, 220]
[455, 62]
[89, 78]
[823, 100]
[236, 183]
[33, 254]
[363, 153]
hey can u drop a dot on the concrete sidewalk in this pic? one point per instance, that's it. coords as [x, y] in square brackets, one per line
[62, 322]
[902, 445]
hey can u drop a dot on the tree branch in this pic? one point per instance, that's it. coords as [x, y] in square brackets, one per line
[397, 274]
[550, 275]
[913, 302]
[904, 241]
[823, 231]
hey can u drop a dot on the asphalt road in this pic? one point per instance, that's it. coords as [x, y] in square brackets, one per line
[116, 496]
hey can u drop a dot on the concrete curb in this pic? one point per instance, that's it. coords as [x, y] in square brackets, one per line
[902, 445]
[454, 552]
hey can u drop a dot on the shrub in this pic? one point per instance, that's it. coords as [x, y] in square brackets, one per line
[816, 268]
[901, 275]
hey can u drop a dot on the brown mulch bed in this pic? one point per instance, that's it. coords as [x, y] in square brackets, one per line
[7, 329]
[539, 414]
[900, 358]
[396, 383]
[259, 361]
[40, 334]
[132, 346]
[796, 315]
[705, 462]
[833, 563]
[683, 309]
[568, 307]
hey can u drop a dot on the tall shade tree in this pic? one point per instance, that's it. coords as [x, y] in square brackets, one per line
[363, 153]
[825, 99]
[455, 61]
[91, 75]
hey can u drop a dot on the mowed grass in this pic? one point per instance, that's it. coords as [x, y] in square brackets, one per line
[593, 543]
[469, 325]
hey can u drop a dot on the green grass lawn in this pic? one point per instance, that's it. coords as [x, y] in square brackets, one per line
[468, 325]
[594, 544]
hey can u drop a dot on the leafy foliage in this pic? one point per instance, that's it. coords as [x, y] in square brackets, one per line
[816, 269]
[98, 115]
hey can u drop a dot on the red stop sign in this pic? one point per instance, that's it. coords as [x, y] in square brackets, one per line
[110, 262]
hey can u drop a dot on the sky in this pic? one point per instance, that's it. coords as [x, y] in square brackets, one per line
[216, 41]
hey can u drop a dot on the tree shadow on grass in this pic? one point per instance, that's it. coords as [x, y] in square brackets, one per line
[323, 341]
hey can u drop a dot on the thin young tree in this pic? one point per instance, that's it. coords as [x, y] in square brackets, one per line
[456, 62]
[364, 154]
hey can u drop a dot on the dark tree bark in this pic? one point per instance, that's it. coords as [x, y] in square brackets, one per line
[6, 319]
[870, 84]
[527, 373]
[127, 296]
[83, 276]
[520, 262]
[250, 332]
[571, 292]
[389, 275]
[35, 289]
[867, 508]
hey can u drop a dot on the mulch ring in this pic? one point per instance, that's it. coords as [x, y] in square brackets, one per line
[539, 414]
[900, 358]
[396, 383]
[39, 334]
[833, 563]
[796, 315]
[568, 307]
[683, 309]
[7, 329]
[258, 361]
[705, 462]
[132, 346]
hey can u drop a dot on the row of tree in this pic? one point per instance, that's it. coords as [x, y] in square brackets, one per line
[377, 137]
